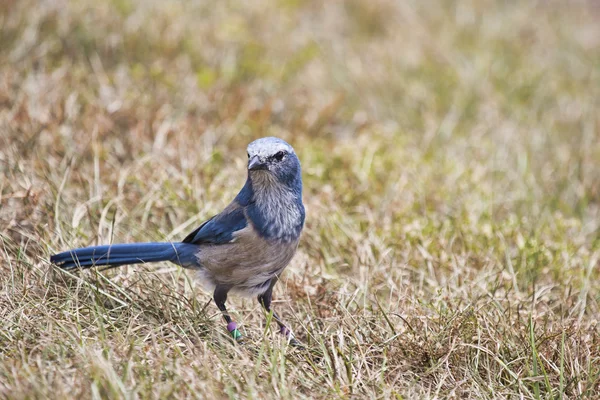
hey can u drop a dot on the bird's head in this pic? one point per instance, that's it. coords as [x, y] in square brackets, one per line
[271, 157]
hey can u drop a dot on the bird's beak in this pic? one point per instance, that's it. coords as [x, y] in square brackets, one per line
[255, 164]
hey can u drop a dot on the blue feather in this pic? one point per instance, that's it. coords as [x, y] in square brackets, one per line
[220, 228]
[121, 254]
[245, 195]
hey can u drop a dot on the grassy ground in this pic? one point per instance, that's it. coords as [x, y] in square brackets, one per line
[451, 157]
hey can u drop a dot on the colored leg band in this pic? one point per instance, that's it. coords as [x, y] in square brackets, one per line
[284, 331]
[232, 328]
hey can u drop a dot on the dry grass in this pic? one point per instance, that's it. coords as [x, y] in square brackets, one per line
[450, 153]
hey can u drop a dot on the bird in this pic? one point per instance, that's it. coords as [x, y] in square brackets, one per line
[242, 250]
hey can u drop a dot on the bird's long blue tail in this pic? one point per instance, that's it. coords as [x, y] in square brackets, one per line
[121, 254]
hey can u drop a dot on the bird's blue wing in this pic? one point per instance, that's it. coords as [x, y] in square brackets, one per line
[220, 228]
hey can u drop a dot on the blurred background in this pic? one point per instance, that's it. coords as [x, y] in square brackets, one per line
[504, 91]
[451, 155]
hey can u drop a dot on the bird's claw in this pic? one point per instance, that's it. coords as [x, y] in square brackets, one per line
[295, 343]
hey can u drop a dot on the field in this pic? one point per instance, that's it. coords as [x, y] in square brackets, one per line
[451, 165]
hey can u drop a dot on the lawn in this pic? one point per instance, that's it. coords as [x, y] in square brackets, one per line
[451, 166]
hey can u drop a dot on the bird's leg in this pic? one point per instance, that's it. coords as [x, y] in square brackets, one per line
[220, 297]
[265, 300]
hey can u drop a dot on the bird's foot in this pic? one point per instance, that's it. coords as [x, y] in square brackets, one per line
[284, 330]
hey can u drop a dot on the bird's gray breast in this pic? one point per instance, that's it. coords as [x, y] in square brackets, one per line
[277, 212]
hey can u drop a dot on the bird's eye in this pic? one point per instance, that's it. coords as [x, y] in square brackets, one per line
[279, 156]
[248, 155]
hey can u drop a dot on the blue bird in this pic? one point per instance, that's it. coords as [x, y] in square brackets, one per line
[244, 249]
